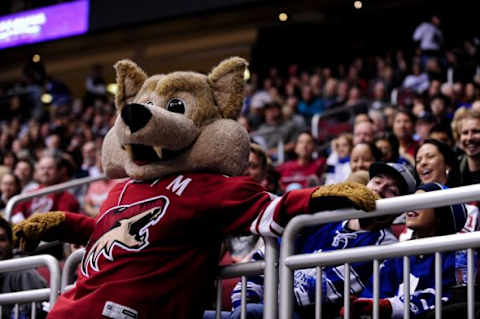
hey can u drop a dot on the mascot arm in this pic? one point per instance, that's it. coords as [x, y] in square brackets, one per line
[70, 227]
[324, 198]
[252, 209]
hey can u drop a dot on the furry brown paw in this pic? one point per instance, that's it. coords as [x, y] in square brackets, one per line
[41, 226]
[344, 195]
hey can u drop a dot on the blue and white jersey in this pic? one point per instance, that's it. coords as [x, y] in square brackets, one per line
[422, 283]
[332, 236]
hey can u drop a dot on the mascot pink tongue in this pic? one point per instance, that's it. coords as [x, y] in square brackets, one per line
[152, 251]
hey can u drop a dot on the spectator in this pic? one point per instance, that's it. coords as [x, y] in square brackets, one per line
[305, 167]
[361, 117]
[275, 131]
[257, 163]
[342, 94]
[272, 181]
[310, 104]
[96, 86]
[469, 128]
[363, 132]
[9, 187]
[89, 164]
[417, 81]
[338, 163]
[24, 171]
[436, 162]
[443, 134]
[289, 111]
[47, 173]
[16, 281]
[379, 99]
[9, 160]
[97, 192]
[387, 180]
[423, 125]
[430, 37]
[329, 93]
[54, 142]
[363, 155]
[379, 120]
[425, 223]
[476, 106]
[388, 144]
[403, 124]
[460, 113]
[439, 106]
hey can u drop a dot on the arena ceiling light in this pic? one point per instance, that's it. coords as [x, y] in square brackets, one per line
[283, 16]
[46, 98]
[112, 88]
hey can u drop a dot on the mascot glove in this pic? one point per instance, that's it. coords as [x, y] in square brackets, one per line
[363, 307]
[41, 226]
[343, 195]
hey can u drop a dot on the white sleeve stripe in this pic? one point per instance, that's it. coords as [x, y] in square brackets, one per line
[253, 228]
[332, 293]
[397, 307]
[263, 222]
[276, 227]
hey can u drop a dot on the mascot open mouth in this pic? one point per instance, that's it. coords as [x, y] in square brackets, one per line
[145, 154]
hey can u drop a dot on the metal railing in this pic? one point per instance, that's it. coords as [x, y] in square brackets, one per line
[33, 295]
[288, 262]
[69, 269]
[47, 190]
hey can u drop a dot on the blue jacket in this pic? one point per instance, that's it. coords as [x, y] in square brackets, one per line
[422, 283]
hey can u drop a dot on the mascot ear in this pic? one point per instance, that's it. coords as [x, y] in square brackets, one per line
[227, 83]
[130, 78]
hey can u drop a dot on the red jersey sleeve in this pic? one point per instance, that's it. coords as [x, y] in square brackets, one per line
[77, 228]
[245, 205]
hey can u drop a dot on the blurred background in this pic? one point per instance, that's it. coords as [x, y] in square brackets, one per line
[170, 35]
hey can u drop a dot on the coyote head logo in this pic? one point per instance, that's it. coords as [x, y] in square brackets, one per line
[129, 233]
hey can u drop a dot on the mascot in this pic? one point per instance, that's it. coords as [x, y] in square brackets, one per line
[153, 249]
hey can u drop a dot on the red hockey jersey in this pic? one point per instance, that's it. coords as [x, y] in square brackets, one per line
[154, 247]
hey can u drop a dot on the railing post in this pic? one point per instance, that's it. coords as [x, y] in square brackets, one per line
[47, 190]
[271, 278]
[70, 267]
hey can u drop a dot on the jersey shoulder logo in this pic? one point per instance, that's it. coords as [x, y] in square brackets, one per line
[130, 234]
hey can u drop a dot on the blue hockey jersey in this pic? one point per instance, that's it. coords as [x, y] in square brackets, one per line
[328, 237]
[422, 283]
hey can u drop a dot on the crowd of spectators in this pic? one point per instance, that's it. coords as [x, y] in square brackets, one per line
[308, 126]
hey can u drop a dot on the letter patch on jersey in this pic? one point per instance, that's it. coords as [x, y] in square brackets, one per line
[127, 233]
[179, 184]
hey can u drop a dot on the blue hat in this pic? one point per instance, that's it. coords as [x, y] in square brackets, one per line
[399, 171]
[451, 219]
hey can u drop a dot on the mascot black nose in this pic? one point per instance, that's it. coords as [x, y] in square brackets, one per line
[136, 116]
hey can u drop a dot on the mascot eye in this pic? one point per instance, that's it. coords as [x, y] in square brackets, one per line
[176, 106]
[149, 102]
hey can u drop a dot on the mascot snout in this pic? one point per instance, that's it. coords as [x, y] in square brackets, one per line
[136, 116]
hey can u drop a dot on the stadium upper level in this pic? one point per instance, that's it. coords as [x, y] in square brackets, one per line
[184, 34]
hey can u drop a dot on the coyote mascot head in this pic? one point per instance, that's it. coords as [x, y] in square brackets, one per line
[178, 122]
